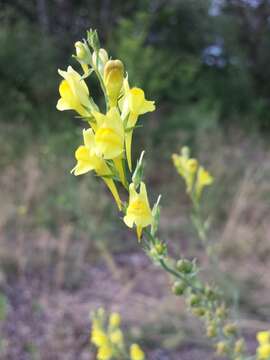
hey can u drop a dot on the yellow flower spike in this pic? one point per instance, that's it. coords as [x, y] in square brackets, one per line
[87, 160]
[109, 136]
[74, 93]
[113, 78]
[138, 211]
[203, 179]
[263, 337]
[138, 105]
[136, 352]
[105, 352]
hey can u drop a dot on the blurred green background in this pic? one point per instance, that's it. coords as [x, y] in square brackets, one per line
[63, 250]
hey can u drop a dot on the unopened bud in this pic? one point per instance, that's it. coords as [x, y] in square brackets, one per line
[102, 59]
[221, 312]
[221, 348]
[199, 312]
[239, 346]
[178, 287]
[229, 329]
[211, 331]
[210, 293]
[93, 40]
[115, 320]
[82, 52]
[194, 300]
[184, 266]
[113, 77]
[185, 152]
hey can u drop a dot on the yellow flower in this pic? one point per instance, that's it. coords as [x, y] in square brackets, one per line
[116, 337]
[136, 352]
[263, 351]
[98, 337]
[105, 352]
[74, 93]
[136, 104]
[203, 179]
[87, 160]
[138, 211]
[263, 337]
[109, 136]
[114, 320]
[113, 78]
[186, 167]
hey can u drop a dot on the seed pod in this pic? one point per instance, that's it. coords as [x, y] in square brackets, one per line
[184, 265]
[178, 287]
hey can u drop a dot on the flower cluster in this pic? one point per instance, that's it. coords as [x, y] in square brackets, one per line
[107, 142]
[107, 150]
[263, 350]
[195, 175]
[108, 338]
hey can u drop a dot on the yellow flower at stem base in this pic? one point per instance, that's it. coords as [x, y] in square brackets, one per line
[137, 104]
[87, 160]
[136, 352]
[74, 93]
[138, 211]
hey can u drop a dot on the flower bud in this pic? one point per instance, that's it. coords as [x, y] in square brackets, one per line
[178, 287]
[113, 77]
[211, 331]
[229, 329]
[221, 312]
[199, 311]
[184, 265]
[194, 300]
[239, 346]
[114, 320]
[222, 348]
[82, 52]
[102, 59]
[210, 293]
[185, 152]
[93, 40]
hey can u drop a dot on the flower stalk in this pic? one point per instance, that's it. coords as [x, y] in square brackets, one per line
[107, 150]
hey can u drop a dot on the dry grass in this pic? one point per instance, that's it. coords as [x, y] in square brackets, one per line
[57, 232]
